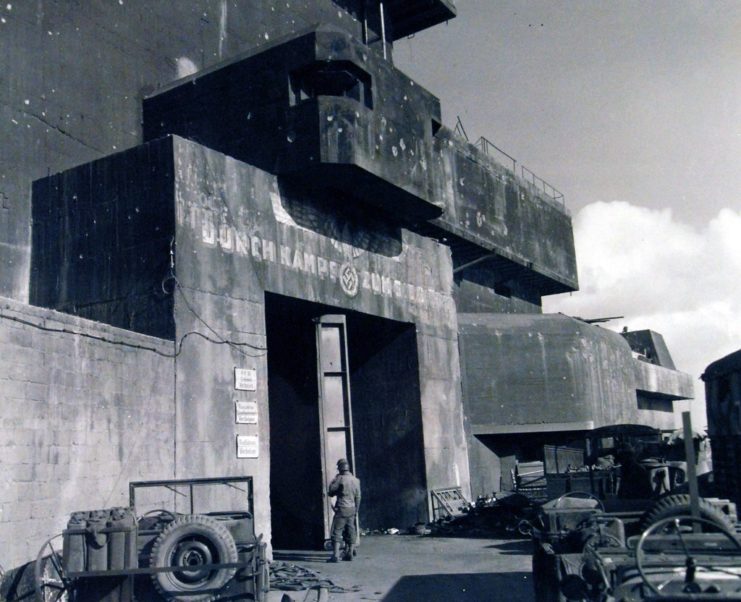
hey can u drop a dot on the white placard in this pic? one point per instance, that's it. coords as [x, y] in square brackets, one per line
[246, 412]
[245, 379]
[248, 446]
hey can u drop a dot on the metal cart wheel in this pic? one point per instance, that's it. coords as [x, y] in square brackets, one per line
[50, 582]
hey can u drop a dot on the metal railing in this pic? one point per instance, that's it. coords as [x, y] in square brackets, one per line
[459, 129]
[535, 183]
[487, 146]
[540, 185]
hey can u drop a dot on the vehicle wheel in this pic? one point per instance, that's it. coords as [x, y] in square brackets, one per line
[50, 582]
[679, 505]
[192, 541]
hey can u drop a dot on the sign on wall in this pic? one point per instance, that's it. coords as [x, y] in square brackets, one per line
[246, 412]
[248, 446]
[245, 379]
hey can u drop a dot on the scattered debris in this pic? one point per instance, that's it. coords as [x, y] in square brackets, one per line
[448, 502]
[504, 513]
[285, 576]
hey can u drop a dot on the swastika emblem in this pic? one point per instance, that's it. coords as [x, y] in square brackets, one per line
[349, 280]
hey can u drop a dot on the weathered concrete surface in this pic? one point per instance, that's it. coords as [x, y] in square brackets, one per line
[238, 236]
[662, 383]
[650, 345]
[533, 372]
[84, 408]
[535, 379]
[320, 107]
[73, 81]
[101, 240]
[487, 205]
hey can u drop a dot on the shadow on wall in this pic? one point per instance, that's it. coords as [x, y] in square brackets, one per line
[462, 587]
[341, 219]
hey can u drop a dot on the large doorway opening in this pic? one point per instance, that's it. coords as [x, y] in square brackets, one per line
[384, 393]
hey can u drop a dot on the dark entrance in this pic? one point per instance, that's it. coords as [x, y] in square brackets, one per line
[386, 421]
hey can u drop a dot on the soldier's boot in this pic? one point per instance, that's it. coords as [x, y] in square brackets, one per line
[349, 552]
[335, 551]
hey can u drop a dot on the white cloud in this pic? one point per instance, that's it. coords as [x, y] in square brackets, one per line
[681, 281]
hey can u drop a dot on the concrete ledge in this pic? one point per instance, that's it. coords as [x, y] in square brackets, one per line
[662, 383]
[55, 321]
[542, 427]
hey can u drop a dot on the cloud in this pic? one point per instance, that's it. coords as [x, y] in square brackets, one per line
[662, 274]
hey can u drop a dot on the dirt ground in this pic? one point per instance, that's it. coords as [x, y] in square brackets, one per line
[401, 568]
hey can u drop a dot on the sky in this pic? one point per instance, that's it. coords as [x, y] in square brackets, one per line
[632, 109]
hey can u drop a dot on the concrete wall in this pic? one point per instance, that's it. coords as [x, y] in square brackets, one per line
[84, 409]
[239, 235]
[488, 205]
[74, 76]
[551, 372]
[535, 379]
[101, 240]
[321, 107]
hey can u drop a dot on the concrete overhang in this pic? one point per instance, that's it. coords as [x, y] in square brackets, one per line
[410, 16]
[537, 427]
[662, 383]
[490, 210]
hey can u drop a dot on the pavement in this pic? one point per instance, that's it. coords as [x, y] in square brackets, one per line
[406, 568]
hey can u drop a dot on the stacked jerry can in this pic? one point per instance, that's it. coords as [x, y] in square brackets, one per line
[100, 540]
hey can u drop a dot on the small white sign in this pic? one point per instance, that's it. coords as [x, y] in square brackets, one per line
[246, 412]
[248, 446]
[245, 379]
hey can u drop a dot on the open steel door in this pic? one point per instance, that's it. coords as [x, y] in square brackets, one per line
[335, 408]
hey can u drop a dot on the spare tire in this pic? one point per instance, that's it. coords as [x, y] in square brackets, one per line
[191, 541]
[679, 505]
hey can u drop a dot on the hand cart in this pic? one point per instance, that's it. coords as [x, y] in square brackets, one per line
[118, 555]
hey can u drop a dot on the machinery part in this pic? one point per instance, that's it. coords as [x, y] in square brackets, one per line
[686, 578]
[161, 513]
[679, 505]
[230, 515]
[262, 582]
[525, 527]
[192, 541]
[603, 539]
[546, 582]
[579, 495]
[50, 582]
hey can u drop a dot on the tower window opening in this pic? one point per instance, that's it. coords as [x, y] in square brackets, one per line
[331, 79]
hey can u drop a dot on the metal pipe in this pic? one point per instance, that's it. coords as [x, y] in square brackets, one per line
[383, 28]
[365, 22]
[474, 262]
[689, 452]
